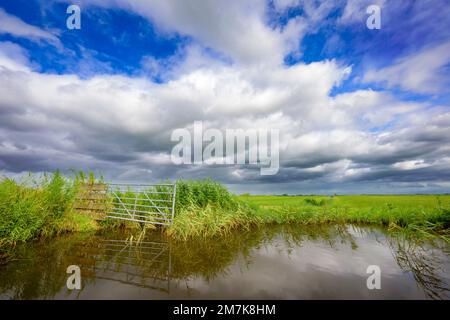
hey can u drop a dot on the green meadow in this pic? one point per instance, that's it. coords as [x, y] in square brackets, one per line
[358, 201]
[415, 212]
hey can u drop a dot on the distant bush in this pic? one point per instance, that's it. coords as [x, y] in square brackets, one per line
[315, 202]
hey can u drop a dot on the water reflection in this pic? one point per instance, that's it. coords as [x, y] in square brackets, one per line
[424, 261]
[145, 265]
[279, 262]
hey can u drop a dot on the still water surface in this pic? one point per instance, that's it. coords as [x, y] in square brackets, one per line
[327, 262]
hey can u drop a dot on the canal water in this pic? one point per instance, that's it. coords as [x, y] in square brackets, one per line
[282, 262]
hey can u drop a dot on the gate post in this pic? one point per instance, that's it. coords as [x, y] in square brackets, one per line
[173, 201]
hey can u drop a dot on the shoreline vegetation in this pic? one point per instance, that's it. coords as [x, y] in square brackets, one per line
[43, 206]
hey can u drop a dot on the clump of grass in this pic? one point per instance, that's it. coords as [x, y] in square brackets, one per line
[38, 206]
[201, 193]
[22, 214]
[205, 208]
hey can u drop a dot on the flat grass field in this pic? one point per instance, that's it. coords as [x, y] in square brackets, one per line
[417, 212]
[411, 202]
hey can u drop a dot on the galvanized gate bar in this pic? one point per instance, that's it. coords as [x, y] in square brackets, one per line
[145, 203]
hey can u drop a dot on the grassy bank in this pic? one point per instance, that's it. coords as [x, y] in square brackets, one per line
[43, 207]
[39, 206]
[422, 213]
[426, 215]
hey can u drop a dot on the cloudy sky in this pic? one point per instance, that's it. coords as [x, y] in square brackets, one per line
[359, 110]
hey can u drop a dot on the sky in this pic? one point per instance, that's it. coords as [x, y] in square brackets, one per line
[358, 110]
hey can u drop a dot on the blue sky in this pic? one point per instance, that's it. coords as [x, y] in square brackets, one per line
[122, 38]
[114, 37]
[119, 39]
[358, 109]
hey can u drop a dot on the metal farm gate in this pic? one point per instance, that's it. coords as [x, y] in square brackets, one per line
[144, 203]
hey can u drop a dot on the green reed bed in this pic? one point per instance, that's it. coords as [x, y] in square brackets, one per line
[206, 208]
[33, 207]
